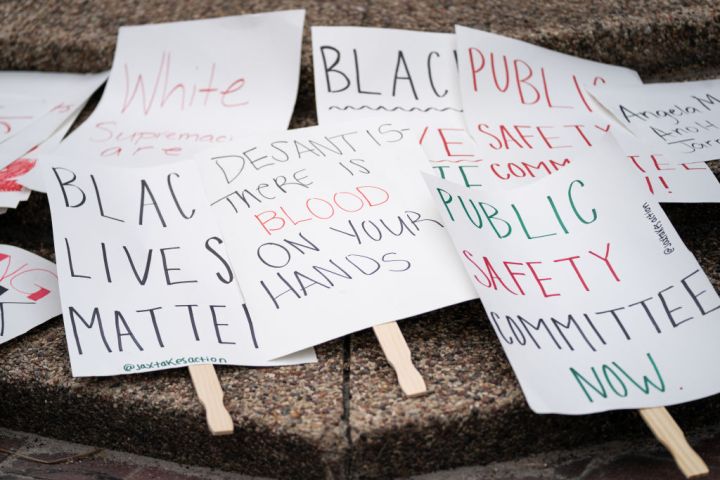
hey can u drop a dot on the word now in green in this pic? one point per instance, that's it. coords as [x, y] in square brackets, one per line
[612, 378]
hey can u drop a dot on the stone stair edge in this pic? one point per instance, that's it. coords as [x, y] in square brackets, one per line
[609, 39]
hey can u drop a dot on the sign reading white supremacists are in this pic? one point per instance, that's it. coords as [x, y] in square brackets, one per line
[530, 114]
[170, 95]
[145, 279]
[594, 297]
[681, 119]
[331, 230]
[29, 293]
[400, 75]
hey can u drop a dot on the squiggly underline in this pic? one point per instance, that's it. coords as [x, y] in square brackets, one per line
[394, 109]
[457, 161]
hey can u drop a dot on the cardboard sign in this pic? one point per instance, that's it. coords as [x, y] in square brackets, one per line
[28, 292]
[146, 283]
[170, 94]
[530, 115]
[680, 119]
[55, 97]
[331, 231]
[399, 75]
[594, 297]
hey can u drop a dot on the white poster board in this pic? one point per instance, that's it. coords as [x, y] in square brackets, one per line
[331, 230]
[399, 75]
[145, 280]
[594, 297]
[29, 293]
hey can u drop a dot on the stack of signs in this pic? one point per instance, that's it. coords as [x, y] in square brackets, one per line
[593, 295]
[29, 293]
[146, 283]
[331, 230]
[36, 111]
[529, 112]
[397, 75]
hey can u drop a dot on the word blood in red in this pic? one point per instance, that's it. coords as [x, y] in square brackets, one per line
[316, 208]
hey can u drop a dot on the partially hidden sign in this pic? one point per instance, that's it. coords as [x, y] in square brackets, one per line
[170, 95]
[529, 110]
[681, 119]
[400, 75]
[29, 293]
[50, 100]
[23, 175]
[594, 297]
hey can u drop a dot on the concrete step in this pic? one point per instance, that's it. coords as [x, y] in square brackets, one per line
[26, 456]
[345, 416]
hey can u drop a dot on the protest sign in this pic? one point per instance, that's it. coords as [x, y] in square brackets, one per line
[594, 297]
[680, 119]
[169, 95]
[331, 231]
[28, 292]
[145, 281]
[530, 115]
[399, 75]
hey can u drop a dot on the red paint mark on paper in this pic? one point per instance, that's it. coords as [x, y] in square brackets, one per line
[42, 292]
[16, 169]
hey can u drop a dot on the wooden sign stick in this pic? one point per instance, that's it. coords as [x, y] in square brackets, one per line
[399, 357]
[672, 437]
[207, 386]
